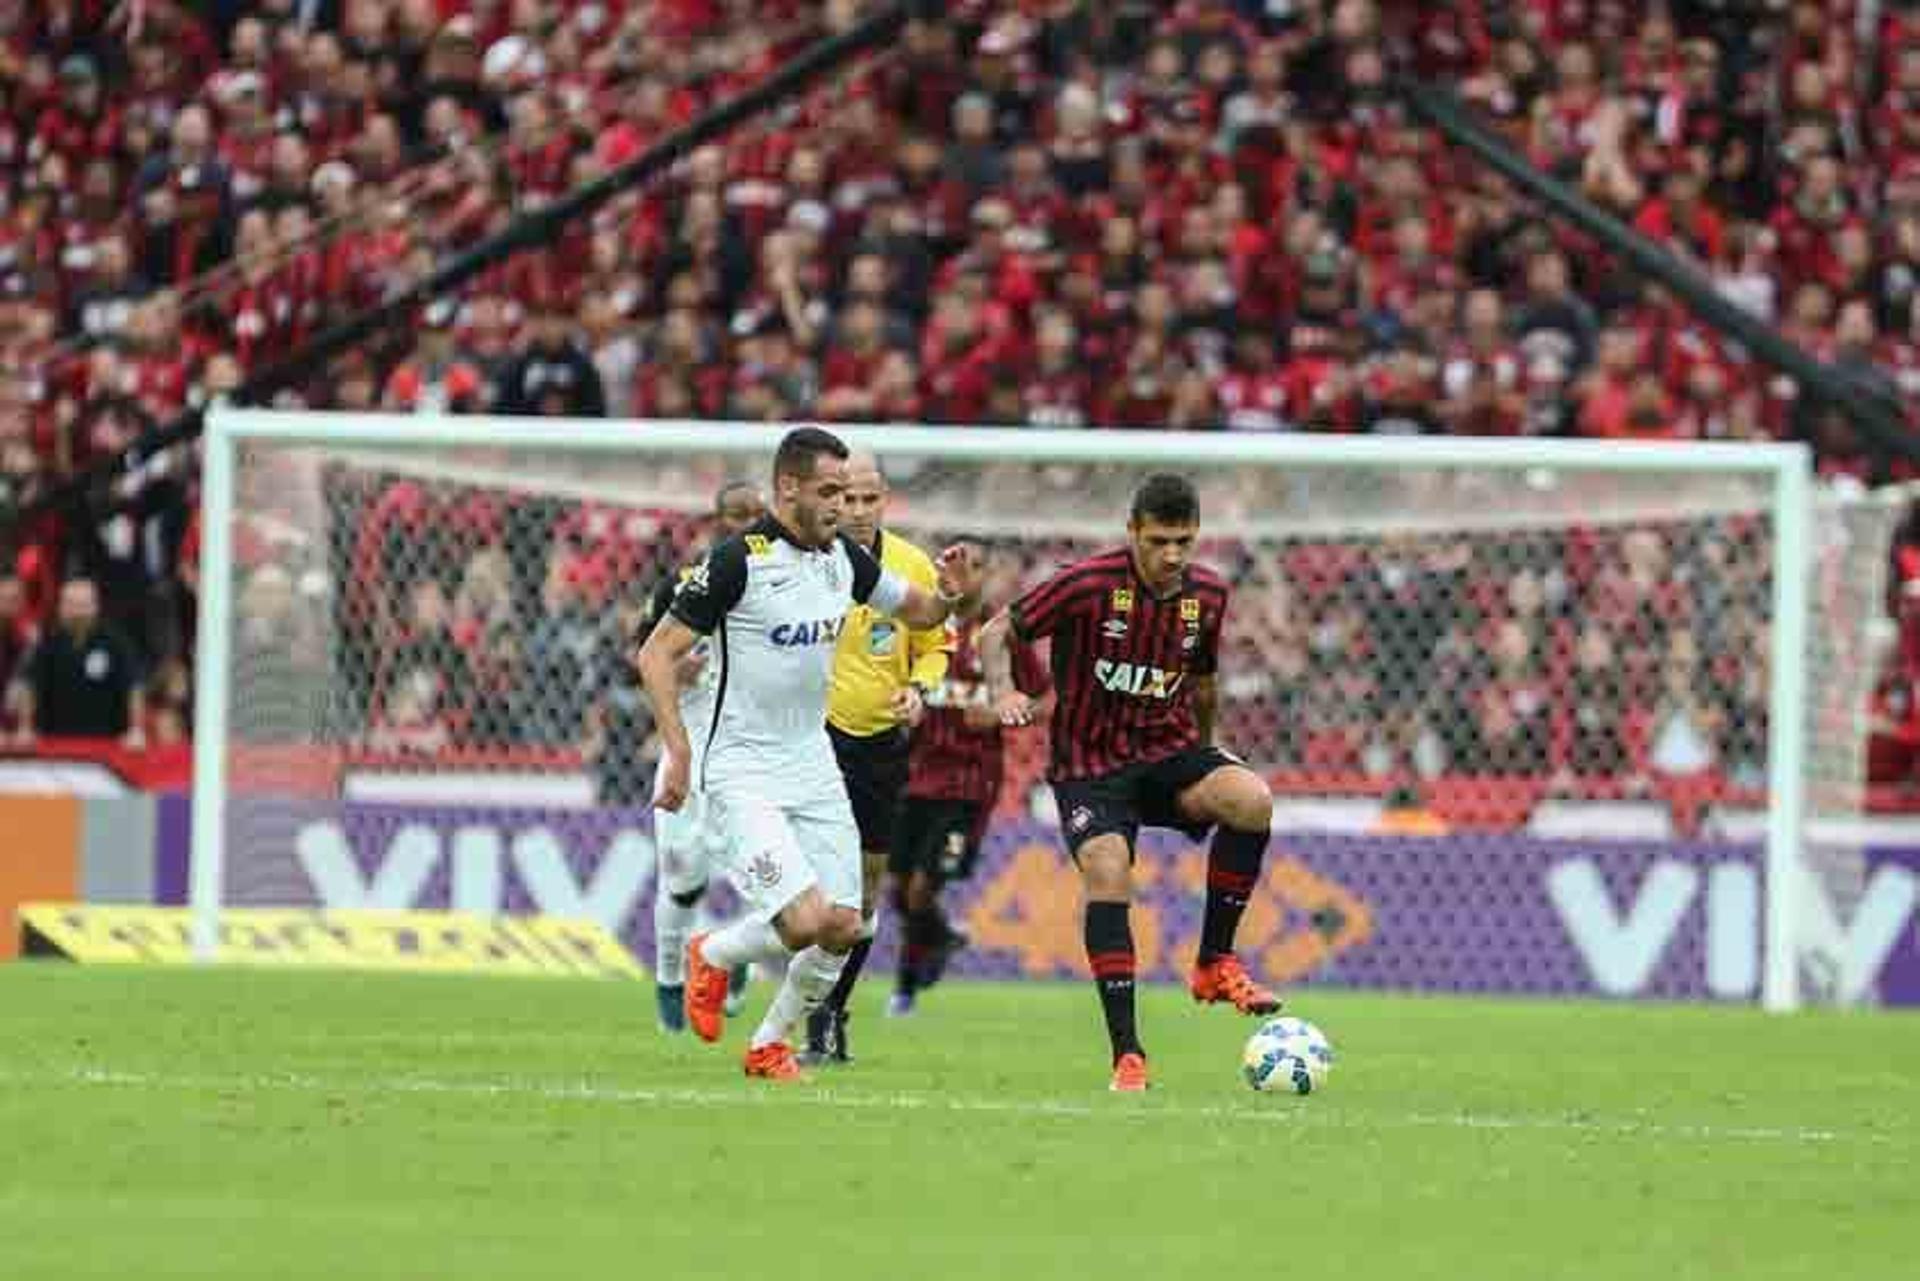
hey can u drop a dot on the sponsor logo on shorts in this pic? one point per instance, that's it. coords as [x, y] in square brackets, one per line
[1080, 820]
[765, 870]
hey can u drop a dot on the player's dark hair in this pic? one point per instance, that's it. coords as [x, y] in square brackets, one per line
[728, 490]
[801, 449]
[1167, 499]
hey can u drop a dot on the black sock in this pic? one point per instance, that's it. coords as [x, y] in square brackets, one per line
[1233, 869]
[919, 937]
[1109, 936]
[849, 975]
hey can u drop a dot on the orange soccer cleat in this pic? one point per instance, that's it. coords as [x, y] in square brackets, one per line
[706, 993]
[774, 1062]
[1225, 979]
[1129, 1074]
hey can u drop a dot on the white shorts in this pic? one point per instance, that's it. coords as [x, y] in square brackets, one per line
[775, 853]
[691, 844]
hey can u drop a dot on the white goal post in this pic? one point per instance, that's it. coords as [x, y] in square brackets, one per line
[286, 473]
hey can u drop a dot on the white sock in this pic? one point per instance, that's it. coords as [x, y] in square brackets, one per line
[672, 925]
[810, 976]
[742, 943]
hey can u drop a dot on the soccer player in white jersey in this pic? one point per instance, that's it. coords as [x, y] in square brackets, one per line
[774, 599]
[689, 840]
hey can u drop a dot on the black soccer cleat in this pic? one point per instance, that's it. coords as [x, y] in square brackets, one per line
[826, 1039]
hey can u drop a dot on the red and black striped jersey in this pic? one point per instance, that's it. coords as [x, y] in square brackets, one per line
[951, 760]
[1124, 661]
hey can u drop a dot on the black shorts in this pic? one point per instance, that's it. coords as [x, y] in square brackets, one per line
[938, 837]
[875, 769]
[1135, 796]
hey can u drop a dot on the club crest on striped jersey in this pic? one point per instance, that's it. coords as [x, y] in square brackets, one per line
[1122, 601]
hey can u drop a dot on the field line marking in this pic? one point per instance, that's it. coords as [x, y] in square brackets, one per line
[827, 1097]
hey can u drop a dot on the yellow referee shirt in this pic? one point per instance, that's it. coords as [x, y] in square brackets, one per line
[877, 656]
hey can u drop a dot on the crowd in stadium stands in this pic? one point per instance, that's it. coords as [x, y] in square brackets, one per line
[1207, 214]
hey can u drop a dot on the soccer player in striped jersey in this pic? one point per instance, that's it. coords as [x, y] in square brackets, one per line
[1135, 636]
[953, 778]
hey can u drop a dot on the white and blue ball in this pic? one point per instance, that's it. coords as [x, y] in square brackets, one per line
[1287, 1056]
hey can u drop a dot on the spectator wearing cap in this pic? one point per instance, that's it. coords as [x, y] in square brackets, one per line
[552, 375]
[81, 679]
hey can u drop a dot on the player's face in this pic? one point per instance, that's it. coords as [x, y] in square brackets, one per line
[864, 504]
[976, 563]
[815, 503]
[739, 509]
[1161, 551]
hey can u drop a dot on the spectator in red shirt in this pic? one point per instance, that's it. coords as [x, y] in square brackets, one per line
[1680, 217]
[1254, 392]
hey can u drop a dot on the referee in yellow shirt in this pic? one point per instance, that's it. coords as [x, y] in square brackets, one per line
[879, 672]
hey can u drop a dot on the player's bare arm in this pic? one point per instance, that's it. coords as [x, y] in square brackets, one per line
[1206, 699]
[996, 663]
[960, 576]
[660, 663]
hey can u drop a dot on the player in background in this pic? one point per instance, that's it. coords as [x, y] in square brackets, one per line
[954, 770]
[689, 840]
[880, 675]
[1136, 638]
[775, 597]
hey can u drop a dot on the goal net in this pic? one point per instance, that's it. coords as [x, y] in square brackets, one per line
[1549, 717]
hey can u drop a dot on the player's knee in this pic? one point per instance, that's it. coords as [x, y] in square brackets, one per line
[688, 898]
[1252, 807]
[1238, 798]
[1106, 867]
[800, 923]
[839, 930]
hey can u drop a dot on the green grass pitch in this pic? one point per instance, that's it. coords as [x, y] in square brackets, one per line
[233, 1124]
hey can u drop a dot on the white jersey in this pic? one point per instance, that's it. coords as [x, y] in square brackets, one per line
[774, 611]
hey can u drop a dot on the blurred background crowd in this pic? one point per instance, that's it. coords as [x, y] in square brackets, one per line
[1203, 214]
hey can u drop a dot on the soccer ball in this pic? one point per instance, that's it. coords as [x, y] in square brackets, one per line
[1287, 1056]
